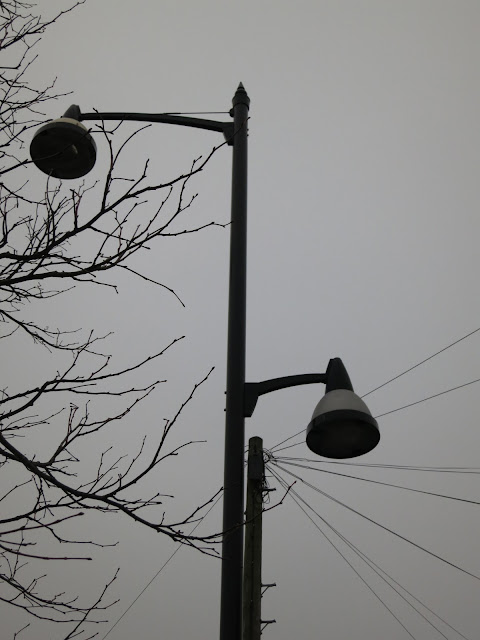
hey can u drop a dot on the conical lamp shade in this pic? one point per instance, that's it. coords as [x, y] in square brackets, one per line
[342, 425]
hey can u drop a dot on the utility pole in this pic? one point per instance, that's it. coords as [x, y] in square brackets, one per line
[252, 577]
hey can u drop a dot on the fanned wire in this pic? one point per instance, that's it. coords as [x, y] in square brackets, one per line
[435, 395]
[397, 467]
[421, 362]
[380, 482]
[275, 447]
[371, 563]
[293, 495]
[382, 526]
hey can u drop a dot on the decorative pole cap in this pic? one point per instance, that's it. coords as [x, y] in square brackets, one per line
[241, 96]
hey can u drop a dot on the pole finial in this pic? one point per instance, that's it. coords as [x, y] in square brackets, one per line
[241, 96]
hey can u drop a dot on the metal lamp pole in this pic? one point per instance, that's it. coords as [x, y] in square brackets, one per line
[65, 149]
[233, 496]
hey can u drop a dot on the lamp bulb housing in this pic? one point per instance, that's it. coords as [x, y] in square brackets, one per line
[64, 149]
[342, 426]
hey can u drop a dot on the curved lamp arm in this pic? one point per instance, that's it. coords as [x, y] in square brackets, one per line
[335, 377]
[167, 118]
[252, 390]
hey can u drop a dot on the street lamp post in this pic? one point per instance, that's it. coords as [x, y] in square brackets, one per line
[233, 484]
[341, 426]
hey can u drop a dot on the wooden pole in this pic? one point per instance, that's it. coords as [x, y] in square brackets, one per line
[252, 576]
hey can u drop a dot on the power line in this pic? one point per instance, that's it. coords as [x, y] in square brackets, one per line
[398, 467]
[421, 362]
[382, 526]
[378, 569]
[290, 446]
[436, 395]
[287, 439]
[386, 484]
[161, 569]
[294, 495]
[371, 562]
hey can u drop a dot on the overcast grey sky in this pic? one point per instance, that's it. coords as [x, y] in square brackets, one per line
[363, 236]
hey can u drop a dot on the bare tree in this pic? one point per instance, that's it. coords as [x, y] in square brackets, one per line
[50, 243]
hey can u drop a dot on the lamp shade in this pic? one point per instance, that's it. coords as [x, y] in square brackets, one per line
[342, 425]
[63, 149]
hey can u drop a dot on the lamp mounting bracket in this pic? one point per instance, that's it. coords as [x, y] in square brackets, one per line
[253, 390]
